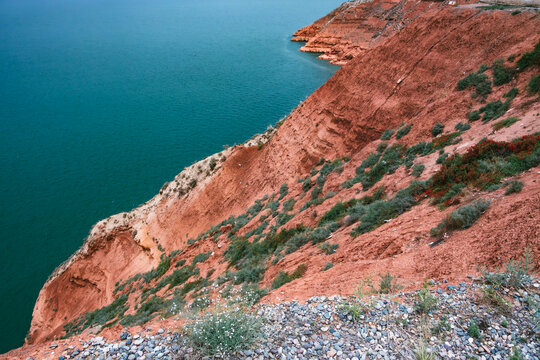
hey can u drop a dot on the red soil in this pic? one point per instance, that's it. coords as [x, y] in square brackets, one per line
[410, 77]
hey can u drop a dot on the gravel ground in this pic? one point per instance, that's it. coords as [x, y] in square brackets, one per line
[389, 328]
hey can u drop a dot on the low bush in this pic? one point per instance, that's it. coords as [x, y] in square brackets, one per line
[491, 297]
[479, 81]
[474, 330]
[448, 198]
[441, 158]
[417, 170]
[328, 266]
[437, 129]
[288, 205]
[473, 115]
[461, 218]
[387, 134]
[534, 85]
[505, 123]
[147, 311]
[443, 141]
[514, 275]
[223, 332]
[442, 326]
[337, 212]
[501, 74]
[376, 213]
[158, 272]
[425, 302]
[530, 58]
[387, 284]
[328, 248]
[514, 186]
[284, 277]
[199, 258]
[494, 110]
[403, 131]
[506, 158]
[283, 191]
[463, 127]
[98, 317]
[306, 184]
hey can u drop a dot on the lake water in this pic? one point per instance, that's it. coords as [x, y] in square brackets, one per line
[102, 101]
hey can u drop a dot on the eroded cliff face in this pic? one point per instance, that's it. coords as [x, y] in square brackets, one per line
[357, 26]
[408, 78]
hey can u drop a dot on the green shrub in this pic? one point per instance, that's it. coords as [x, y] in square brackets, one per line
[387, 134]
[319, 235]
[284, 277]
[438, 129]
[479, 81]
[180, 262]
[425, 302]
[505, 123]
[474, 330]
[178, 277]
[388, 284]
[212, 163]
[158, 272]
[461, 218]
[376, 213]
[403, 131]
[442, 326]
[288, 205]
[512, 93]
[492, 297]
[494, 110]
[514, 275]
[317, 190]
[199, 258]
[328, 266]
[283, 218]
[473, 115]
[501, 74]
[463, 127]
[446, 199]
[441, 158]
[443, 141]
[381, 147]
[223, 332]
[417, 170]
[530, 58]
[514, 186]
[283, 191]
[534, 84]
[336, 213]
[98, 317]
[306, 184]
[505, 159]
[328, 248]
[147, 311]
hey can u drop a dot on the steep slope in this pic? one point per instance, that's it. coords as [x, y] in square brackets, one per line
[357, 26]
[409, 78]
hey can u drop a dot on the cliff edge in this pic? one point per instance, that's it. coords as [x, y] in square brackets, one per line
[402, 62]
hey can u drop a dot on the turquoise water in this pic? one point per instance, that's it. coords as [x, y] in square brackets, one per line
[101, 102]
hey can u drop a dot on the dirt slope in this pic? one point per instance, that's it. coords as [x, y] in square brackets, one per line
[408, 78]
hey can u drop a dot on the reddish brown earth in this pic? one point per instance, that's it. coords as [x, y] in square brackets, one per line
[409, 77]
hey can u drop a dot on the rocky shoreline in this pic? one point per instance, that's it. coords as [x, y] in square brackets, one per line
[390, 326]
